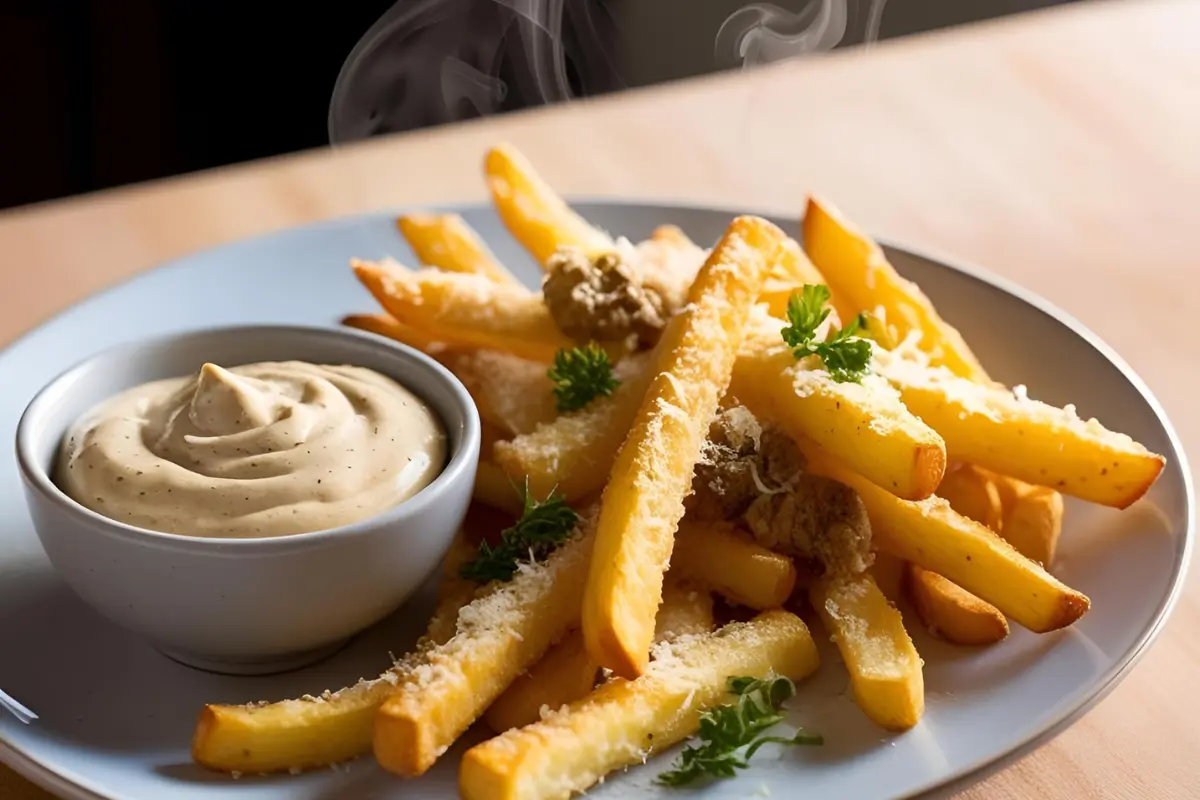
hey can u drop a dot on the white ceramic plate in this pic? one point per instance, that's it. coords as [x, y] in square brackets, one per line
[115, 717]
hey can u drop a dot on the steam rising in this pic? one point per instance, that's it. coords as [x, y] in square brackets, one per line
[761, 33]
[427, 62]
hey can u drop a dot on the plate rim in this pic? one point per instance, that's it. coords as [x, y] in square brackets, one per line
[74, 787]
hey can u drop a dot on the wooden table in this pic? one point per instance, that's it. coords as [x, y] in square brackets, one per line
[1060, 149]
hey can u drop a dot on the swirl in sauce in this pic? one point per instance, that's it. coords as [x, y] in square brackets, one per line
[268, 449]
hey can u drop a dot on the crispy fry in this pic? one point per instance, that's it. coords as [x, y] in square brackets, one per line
[733, 566]
[500, 634]
[974, 493]
[384, 325]
[447, 242]
[494, 487]
[686, 610]
[1033, 518]
[511, 392]
[1032, 441]
[643, 501]
[567, 672]
[864, 424]
[672, 235]
[623, 722]
[953, 613]
[930, 534]
[947, 610]
[574, 454]
[467, 310]
[859, 274]
[885, 670]
[889, 574]
[312, 732]
[533, 213]
[790, 272]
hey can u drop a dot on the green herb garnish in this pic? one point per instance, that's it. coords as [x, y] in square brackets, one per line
[846, 357]
[579, 374]
[725, 730]
[542, 527]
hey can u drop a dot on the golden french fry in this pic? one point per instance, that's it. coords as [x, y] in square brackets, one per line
[974, 493]
[953, 613]
[889, 574]
[885, 669]
[511, 392]
[735, 567]
[1029, 440]
[575, 453]
[859, 274]
[567, 672]
[685, 611]
[384, 325]
[494, 487]
[467, 310]
[947, 610]
[864, 424]
[447, 242]
[624, 721]
[500, 634]
[316, 731]
[932, 535]
[643, 501]
[789, 274]
[1032, 519]
[533, 212]
[673, 235]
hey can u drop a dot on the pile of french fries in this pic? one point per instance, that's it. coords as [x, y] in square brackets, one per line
[608, 650]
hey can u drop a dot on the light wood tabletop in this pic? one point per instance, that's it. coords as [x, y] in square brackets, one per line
[1060, 149]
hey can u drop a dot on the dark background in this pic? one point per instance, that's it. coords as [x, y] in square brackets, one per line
[107, 92]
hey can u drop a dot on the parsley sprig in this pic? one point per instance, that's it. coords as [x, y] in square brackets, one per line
[727, 729]
[543, 526]
[847, 357]
[580, 374]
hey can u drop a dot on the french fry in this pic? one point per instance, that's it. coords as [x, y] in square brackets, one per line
[889, 574]
[974, 493]
[567, 673]
[930, 534]
[467, 310]
[533, 212]
[446, 241]
[316, 731]
[575, 453]
[494, 487]
[686, 610]
[947, 610]
[864, 424]
[953, 613]
[499, 635]
[643, 501]
[885, 669]
[735, 567]
[384, 325]
[1029, 440]
[511, 392]
[1033, 518]
[788, 275]
[859, 274]
[624, 721]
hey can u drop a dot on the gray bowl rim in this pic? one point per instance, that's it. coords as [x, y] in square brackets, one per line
[461, 459]
[35, 770]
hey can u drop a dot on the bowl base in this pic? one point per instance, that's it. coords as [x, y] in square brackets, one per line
[252, 666]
